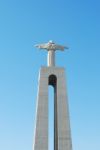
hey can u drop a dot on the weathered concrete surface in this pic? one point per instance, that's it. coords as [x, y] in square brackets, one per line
[62, 136]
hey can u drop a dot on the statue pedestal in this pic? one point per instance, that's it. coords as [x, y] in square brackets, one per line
[54, 76]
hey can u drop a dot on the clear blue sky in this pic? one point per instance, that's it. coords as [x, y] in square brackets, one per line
[24, 23]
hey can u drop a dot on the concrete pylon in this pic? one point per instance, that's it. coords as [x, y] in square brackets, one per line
[54, 76]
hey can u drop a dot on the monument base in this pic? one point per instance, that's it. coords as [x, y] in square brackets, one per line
[54, 76]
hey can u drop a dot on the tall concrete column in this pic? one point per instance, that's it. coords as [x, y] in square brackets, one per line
[54, 76]
[41, 127]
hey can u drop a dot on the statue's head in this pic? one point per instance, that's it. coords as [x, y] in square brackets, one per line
[51, 42]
